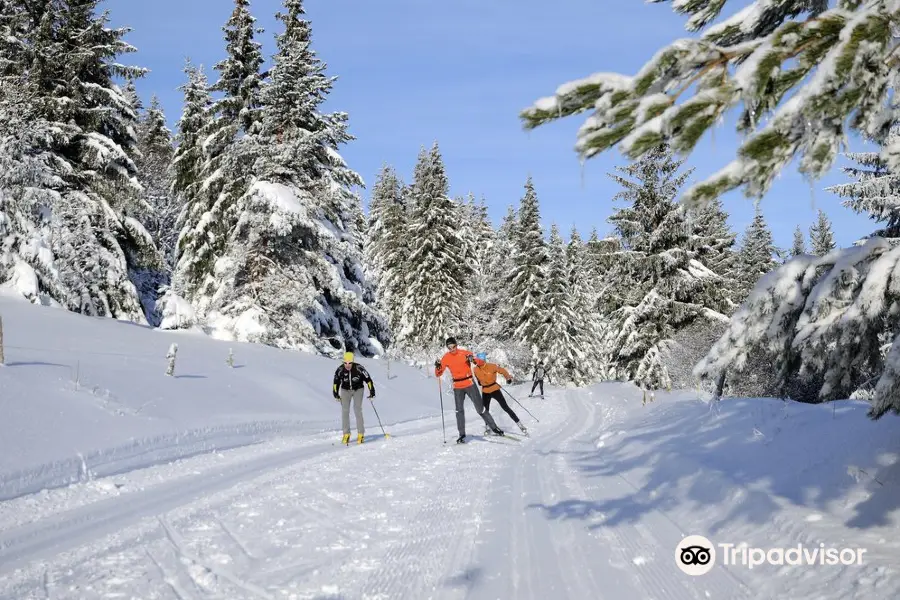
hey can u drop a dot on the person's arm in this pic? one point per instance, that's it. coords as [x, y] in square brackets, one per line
[439, 368]
[505, 373]
[337, 382]
[368, 380]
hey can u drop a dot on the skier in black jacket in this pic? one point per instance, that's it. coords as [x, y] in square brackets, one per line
[348, 385]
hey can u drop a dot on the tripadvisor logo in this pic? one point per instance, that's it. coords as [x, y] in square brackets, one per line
[696, 555]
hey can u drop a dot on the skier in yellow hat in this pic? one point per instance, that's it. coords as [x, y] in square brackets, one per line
[349, 379]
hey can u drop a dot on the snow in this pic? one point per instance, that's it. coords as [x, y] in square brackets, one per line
[227, 482]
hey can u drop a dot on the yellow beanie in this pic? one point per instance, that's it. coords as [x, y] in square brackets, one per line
[348, 357]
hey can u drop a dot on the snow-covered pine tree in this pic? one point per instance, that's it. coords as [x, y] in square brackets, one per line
[756, 256]
[561, 346]
[713, 241]
[526, 282]
[387, 243]
[834, 58]
[799, 245]
[229, 158]
[193, 253]
[439, 274]
[661, 288]
[29, 188]
[875, 191]
[585, 294]
[154, 162]
[821, 238]
[96, 245]
[292, 273]
[484, 295]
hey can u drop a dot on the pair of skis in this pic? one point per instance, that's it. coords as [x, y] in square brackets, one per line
[491, 437]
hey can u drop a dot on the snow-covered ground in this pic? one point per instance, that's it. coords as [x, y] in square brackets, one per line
[227, 483]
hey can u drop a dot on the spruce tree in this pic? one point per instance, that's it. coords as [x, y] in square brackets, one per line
[713, 242]
[527, 278]
[875, 191]
[562, 346]
[99, 250]
[484, 296]
[293, 273]
[438, 272]
[195, 252]
[821, 237]
[661, 287]
[756, 256]
[799, 246]
[229, 161]
[387, 243]
[154, 163]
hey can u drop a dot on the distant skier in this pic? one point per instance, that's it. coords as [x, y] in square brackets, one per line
[348, 385]
[459, 363]
[538, 378]
[486, 375]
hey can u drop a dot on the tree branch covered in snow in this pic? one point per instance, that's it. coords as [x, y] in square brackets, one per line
[827, 317]
[804, 74]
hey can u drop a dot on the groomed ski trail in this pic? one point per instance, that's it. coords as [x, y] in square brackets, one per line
[404, 517]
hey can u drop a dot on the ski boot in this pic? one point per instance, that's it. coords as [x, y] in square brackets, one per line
[346, 439]
[522, 427]
[498, 431]
[461, 439]
[487, 431]
[359, 439]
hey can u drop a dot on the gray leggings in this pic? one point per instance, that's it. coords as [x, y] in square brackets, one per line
[460, 397]
[357, 397]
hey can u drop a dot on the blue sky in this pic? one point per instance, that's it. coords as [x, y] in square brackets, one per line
[412, 71]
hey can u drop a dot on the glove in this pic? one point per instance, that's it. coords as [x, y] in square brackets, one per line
[371, 396]
[509, 382]
[437, 364]
[337, 398]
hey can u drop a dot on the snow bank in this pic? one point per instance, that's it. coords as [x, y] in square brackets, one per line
[82, 397]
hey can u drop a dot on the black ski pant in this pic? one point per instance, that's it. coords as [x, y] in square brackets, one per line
[459, 395]
[539, 382]
[498, 396]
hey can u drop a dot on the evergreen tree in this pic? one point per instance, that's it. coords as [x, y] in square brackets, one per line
[820, 236]
[875, 191]
[713, 242]
[589, 324]
[661, 287]
[756, 255]
[834, 58]
[155, 158]
[799, 246]
[484, 295]
[561, 343]
[438, 274]
[526, 281]
[195, 251]
[293, 272]
[229, 162]
[99, 251]
[387, 243]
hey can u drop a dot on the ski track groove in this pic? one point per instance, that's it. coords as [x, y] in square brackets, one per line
[659, 572]
[220, 572]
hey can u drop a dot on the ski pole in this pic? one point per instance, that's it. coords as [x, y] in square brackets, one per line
[441, 392]
[379, 421]
[519, 403]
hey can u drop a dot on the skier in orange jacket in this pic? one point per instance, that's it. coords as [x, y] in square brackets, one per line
[486, 374]
[459, 362]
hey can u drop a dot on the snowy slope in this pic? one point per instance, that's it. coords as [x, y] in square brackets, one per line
[591, 505]
[83, 395]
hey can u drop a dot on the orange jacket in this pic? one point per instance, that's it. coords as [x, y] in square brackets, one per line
[459, 367]
[487, 376]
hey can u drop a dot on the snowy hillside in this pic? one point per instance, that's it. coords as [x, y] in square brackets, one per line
[80, 393]
[592, 504]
